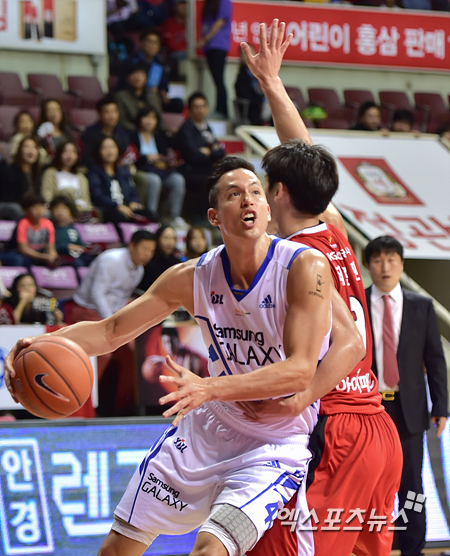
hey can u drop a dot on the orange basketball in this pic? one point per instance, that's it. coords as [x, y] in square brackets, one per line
[53, 377]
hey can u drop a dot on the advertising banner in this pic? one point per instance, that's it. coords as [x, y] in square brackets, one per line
[347, 35]
[70, 26]
[394, 185]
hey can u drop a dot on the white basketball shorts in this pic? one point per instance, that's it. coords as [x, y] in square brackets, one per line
[204, 462]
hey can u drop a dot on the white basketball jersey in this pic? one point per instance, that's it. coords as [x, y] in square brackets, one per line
[243, 329]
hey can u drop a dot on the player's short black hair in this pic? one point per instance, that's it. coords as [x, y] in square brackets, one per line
[382, 244]
[227, 164]
[141, 235]
[308, 171]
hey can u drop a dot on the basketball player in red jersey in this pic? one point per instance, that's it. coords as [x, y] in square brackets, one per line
[359, 457]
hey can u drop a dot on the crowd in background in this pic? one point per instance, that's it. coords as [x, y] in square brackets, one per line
[130, 166]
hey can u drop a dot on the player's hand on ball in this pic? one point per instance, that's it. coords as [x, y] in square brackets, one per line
[192, 391]
[9, 362]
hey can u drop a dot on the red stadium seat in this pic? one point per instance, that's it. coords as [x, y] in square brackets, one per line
[338, 115]
[7, 115]
[434, 107]
[12, 91]
[355, 97]
[173, 120]
[48, 85]
[81, 118]
[396, 100]
[87, 88]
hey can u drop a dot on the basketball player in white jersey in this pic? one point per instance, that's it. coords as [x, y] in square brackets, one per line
[263, 306]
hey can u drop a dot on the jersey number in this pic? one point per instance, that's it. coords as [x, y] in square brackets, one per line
[358, 314]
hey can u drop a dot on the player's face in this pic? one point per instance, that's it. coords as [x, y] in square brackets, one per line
[242, 205]
[385, 270]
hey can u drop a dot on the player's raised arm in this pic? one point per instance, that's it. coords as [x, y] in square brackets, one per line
[265, 66]
[170, 291]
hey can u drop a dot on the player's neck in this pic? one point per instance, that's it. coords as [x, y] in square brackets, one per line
[295, 222]
[246, 259]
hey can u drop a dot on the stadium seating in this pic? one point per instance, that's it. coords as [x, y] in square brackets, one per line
[434, 106]
[81, 118]
[338, 115]
[12, 91]
[87, 88]
[395, 100]
[173, 120]
[48, 85]
[62, 281]
[8, 273]
[127, 229]
[7, 115]
[104, 235]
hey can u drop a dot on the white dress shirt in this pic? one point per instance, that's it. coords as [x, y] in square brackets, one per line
[377, 310]
[110, 282]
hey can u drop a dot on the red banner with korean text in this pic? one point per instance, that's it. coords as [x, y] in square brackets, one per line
[345, 35]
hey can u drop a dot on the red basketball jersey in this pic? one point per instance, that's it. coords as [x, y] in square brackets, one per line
[358, 392]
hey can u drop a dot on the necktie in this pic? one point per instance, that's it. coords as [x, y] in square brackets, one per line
[391, 376]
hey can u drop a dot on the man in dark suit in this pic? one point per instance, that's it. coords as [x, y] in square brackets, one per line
[200, 150]
[406, 343]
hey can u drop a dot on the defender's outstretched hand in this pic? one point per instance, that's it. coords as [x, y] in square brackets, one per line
[192, 391]
[266, 64]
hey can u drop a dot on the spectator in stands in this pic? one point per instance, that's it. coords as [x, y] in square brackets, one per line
[54, 126]
[196, 243]
[33, 241]
[156, 168]
[165, 256]
[69, 245]
[199, 150]
[444, 131]
[157, 76]
[215, 42]
[403, 121]
[21, 176]
[23, 126]
[64, 178]
[369, 117]
[107, 126]
[32, 306]
[121, 16]
[248, 89]
[6, 313]
[112, 278]
[112, 189]
[136, 96]
[173, 36]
